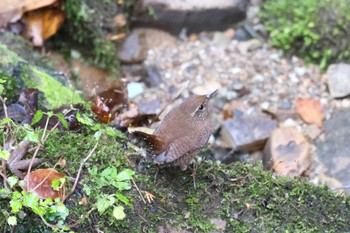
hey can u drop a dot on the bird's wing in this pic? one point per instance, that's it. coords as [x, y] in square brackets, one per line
[182, 146]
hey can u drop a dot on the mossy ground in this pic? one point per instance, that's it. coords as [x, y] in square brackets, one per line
[246, 197]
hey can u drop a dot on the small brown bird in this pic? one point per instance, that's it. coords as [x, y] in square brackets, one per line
[183, 132]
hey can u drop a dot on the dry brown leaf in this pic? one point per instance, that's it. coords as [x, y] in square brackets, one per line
[40, 182]
[42, 24]
[102, 111]
[310, 111]
[12, 10]
[23, 5]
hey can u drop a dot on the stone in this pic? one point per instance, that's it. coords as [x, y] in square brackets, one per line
[334, 151]
[247, 133]
[219, 224]
[287, 152]
[195, 16]
[339, 80]
[136, 45]
[135, 89]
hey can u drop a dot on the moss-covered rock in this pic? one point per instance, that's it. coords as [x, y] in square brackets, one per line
[19, 74]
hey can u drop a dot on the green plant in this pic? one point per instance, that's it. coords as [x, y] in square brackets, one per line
[109, 177]
[315, 30]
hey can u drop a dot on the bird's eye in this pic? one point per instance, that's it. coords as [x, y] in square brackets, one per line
[201, 107]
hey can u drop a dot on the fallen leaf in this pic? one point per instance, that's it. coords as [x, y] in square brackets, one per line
[110, 101]
[40, 182]
[42, 24]
[310, 111]
[102, 111]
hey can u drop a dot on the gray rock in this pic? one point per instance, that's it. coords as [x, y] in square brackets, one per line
[135, 89]
[135, 47]
[334, 151]
[195, 16]
[339, 80]
[287, 152]
[247, 133]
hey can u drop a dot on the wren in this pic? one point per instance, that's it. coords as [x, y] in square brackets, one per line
[183, 132]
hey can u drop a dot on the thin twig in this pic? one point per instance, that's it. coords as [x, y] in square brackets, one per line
[341, 187]
[79, 171]
[3, 162]
[4, 176]
[137, 188]
[5, 111]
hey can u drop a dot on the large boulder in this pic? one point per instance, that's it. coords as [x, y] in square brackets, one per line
[194, 16]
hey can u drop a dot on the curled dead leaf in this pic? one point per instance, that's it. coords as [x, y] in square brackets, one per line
[40, 182]
[42, 24]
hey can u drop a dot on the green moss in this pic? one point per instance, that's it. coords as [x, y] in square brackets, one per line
[56, 94]
[19, 74]
[8, 57]
[315, 30]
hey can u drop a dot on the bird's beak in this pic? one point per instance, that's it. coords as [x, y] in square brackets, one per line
[209, 96]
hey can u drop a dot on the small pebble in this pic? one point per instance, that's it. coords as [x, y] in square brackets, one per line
[237, 86]
[265, 105]
[345, 103]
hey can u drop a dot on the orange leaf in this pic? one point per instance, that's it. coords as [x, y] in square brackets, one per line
[43, 23]
[40, 182]
[102, 111]
[310, 111]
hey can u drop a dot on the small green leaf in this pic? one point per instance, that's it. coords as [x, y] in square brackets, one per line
[118, 212]
[122, 185]
[87, 189]
[16, 205]
[126, 174]
[39, 210]
[55, 184]
[62, 120]
[109, 173]
[30, 199]
[58, 183]
[4, 193]
[96, 127]
[123, 199]
[84, 119]
[12, 181]
[4, 154]
[31, 136]
[103, 203]
[97, 135]
[37, 117]
[12, 220]
[93, 171]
